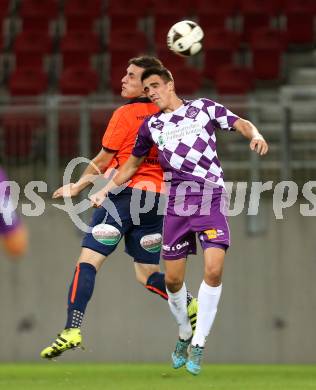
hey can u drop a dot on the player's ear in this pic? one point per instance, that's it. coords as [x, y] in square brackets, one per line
[171, 86]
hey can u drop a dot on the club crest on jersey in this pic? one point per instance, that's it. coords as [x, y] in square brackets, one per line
[192, 112]
[157, 124]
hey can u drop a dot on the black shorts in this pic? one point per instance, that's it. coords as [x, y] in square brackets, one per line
[142, 240]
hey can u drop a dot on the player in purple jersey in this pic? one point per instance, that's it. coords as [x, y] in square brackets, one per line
[184, 132]
[13, 234]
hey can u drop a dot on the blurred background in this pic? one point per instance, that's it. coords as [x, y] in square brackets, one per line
[61, 62]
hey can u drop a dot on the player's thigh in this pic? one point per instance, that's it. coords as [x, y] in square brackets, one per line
[143, 242]
[104, 235]
[143, 271]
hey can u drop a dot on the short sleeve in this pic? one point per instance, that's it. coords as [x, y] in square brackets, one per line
[116, 131]
[221, 117]
[144, 141]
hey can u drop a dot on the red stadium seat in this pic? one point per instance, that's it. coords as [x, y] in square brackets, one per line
[37, 15]
[125, 14]
[28, 81]
[267, 47]
[166, 14]
[30, 48]
[78, 47]
[299, 21]
[256, 14]
[214, 14]
[80, 15]
[78, 81]
[21, 135]
[162, 8]
[123, 40]
[233, 80]
[220, 46]
[187, 80]
[4, 9]
[121, 49]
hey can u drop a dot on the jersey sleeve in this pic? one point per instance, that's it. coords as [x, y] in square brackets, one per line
[144, 141]
[221, 117]
[116, 131]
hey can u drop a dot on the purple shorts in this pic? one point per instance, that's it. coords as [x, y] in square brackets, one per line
[179, 232]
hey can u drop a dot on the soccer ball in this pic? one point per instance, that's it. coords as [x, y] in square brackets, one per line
[185, 38]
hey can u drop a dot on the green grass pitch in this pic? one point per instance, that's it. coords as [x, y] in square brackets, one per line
[58, 375]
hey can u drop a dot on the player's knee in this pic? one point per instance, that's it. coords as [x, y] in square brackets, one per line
[213, 274]
[173, 282]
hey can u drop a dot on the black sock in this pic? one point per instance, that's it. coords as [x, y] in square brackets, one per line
[156, 284]
[80, 292]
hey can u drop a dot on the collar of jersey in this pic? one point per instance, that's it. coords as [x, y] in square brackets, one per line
[139, 100]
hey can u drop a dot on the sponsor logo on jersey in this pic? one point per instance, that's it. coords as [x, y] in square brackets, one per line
[151, 243]
[174, 248]
[106, 234]
[211, 233]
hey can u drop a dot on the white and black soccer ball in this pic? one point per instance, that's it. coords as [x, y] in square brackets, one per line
[185, 38]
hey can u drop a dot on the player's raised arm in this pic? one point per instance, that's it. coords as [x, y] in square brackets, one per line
[249, 130]
[127, 171]
[97, 166]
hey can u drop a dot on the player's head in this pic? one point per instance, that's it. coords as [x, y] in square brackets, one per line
[158, 85]
[131, 83]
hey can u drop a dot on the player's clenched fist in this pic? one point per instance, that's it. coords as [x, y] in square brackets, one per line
[98, 198]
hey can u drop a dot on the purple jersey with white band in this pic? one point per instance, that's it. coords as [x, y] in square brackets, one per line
[186, 141]
[9, 220]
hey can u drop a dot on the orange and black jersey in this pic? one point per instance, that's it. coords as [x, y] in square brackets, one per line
[120, 136]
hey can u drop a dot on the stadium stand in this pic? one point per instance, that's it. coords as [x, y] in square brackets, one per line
[233, 80]
[267, 47]
[26, 81]
[20, 136]
[82, 15]
[78, 80]
[78, 47]
[264, 36]
[31, 47]
[38, 15]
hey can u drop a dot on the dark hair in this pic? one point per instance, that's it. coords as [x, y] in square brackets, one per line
[164, 73]
[146, 62]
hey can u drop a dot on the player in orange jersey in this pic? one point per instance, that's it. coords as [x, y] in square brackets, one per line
[142, 240]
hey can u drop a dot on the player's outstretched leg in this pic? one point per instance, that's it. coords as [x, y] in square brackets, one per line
[68, 339]
[80, 292]
[195, 355]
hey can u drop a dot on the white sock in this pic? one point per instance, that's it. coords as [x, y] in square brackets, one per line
[178, 306]
[208, 299]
